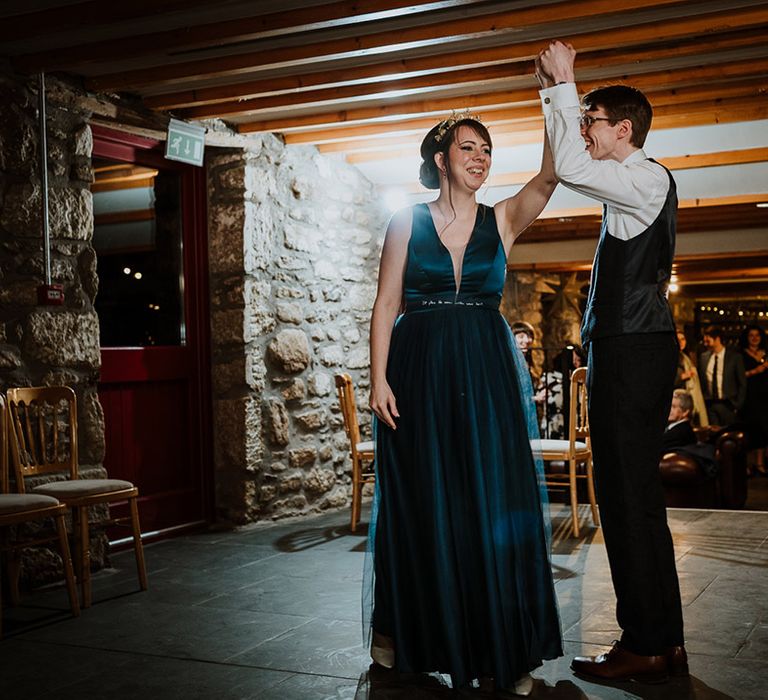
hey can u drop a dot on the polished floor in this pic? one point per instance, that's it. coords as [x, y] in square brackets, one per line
[272, 612]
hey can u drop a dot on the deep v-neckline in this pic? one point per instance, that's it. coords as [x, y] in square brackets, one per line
[458, 276]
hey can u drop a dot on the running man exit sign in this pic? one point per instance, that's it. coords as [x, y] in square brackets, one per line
[185, 142]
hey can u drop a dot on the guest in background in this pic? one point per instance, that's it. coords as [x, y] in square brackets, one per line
[688, 379]
[524, 337]
[679, 432]
[755, 412]
[554, 391]
[721, 371]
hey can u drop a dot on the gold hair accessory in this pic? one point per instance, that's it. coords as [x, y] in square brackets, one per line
[455, 117]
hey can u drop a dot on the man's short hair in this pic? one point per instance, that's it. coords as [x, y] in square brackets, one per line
[684, 399]
[714, 332]
[623, 102]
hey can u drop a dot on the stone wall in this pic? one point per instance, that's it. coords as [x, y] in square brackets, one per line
[294, 242]
[45, 345]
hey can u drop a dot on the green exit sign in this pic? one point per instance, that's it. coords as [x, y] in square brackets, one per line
[185, 142]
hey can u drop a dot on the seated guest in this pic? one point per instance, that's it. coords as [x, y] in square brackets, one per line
[553, 392]
[679, 432]
[723, 380]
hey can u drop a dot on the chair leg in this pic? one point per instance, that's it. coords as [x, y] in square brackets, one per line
[66, 558]
[356, 495]
[14, 572]
[591, 493]
[574, 497]
[85, 555]
[137, 545]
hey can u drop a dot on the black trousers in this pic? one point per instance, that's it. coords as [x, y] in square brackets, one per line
[630, 381]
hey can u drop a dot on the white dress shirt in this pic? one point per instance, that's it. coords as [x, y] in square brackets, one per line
[710, 370]
[633, 191]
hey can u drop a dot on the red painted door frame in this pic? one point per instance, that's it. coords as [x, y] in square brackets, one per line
[137, 381]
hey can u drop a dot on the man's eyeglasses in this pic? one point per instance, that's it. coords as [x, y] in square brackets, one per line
[587, 120]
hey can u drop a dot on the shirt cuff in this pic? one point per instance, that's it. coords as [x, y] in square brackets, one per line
[559, 97]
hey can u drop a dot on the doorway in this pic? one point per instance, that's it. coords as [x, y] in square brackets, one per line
[150, 241]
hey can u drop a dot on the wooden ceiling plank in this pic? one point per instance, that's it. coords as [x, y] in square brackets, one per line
[689, 79]
[653, 83]
[729, 112]
[441, 33]
[720, 158]
[408, 70]
[91, 13]
[700, 160]
[225, 32]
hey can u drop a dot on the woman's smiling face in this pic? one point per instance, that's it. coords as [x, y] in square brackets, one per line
[469, 159]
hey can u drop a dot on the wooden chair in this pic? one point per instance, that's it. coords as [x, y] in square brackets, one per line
[16, 509]
[574, 451]
[361, 452]
[43, 422]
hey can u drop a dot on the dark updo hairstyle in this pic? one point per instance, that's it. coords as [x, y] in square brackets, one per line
[438, 140]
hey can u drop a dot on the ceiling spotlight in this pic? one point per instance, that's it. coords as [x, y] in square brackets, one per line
[127, 270]
[137, 275]
[741, 313]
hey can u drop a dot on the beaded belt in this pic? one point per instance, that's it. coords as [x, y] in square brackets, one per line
[431, 304]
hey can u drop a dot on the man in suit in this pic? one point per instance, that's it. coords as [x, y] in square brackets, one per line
[597, 147]
[679, 432]
[723, 380]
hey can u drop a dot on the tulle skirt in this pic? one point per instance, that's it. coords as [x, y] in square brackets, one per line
[458, 542]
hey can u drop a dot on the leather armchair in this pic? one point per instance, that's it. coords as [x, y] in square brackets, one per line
[686, 485]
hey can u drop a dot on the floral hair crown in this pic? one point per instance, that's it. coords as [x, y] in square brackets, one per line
[455, 117]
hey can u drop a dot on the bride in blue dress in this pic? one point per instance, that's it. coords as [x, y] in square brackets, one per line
[462, 582]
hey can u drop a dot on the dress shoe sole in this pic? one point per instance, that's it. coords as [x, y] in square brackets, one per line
[646, 678]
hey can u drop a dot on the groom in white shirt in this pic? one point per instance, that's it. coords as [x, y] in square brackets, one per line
[632, 356]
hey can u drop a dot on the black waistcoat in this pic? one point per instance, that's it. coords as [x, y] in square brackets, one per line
[628, 288]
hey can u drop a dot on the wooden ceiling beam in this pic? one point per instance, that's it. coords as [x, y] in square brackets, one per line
[654, 83]
[530, 131]
[409, 70]
[229, 31]
[699, 160]
[717, 159]
[92, 13]
[439, 35]
[323, 98]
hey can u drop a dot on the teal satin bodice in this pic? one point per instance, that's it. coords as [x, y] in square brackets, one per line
[429, 273]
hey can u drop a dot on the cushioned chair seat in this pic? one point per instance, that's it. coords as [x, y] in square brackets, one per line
[82, 487]
[556, 445]
[16, 502]
[366, 446]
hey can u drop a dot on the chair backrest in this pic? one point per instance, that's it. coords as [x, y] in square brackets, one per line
[346, 393]
[578, 422]
[43, 431]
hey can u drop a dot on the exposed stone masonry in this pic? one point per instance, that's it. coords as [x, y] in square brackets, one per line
[294, 241]
[45, 345]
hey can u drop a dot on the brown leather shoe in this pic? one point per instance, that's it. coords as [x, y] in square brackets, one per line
[677, 661]
[620, 664]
